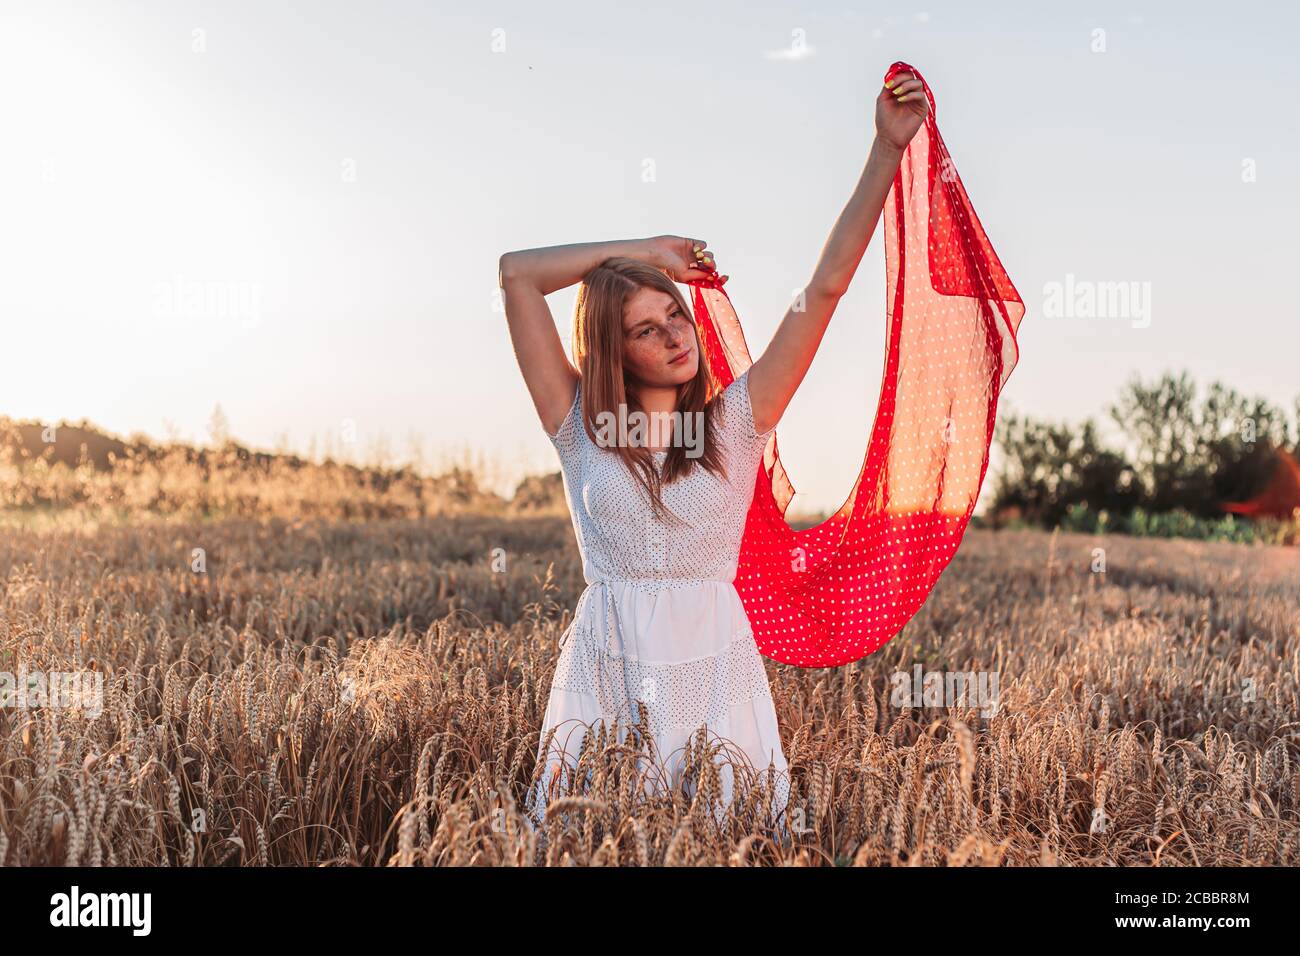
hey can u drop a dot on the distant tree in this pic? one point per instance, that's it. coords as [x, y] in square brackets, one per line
[1159, 423]
[1195, 455]
[1182, 453]
[218, 427]
[1237, 445]
[1050, 467]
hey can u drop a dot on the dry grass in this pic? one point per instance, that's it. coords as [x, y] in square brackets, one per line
[85, 472]
[370, 693]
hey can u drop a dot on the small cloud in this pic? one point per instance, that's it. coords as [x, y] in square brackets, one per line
[921, 17]
[877, 33]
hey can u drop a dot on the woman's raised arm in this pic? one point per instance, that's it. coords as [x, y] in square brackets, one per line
[776, 374]
[526, 277]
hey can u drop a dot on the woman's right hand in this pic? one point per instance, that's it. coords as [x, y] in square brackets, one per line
[685, 260]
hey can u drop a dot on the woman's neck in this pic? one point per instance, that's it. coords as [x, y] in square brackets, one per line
[658, 402]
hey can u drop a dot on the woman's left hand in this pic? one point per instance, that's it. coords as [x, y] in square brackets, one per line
[688, 261]
[901, 108]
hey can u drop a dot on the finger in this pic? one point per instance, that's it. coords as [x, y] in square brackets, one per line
[916, 101]
[898, 78]
[700, 258]
[911, 86]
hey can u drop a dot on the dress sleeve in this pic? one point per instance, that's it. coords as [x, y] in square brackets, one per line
[565, 438]
[741, 410]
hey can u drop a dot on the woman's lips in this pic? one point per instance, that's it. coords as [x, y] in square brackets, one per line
[680, 358]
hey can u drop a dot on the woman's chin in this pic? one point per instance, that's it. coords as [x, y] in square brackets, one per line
[683, 372]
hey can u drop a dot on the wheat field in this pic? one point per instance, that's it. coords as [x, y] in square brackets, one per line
[366, 693]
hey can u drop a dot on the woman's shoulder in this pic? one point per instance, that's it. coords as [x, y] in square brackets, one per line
[738, 411]
[726, 396]
[566, 437]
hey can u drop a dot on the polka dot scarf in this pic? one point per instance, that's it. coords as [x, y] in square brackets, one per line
[831, 594]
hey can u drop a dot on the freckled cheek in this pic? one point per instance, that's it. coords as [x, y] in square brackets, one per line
[640, 357]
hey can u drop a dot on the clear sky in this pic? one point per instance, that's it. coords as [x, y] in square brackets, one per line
[296, 209]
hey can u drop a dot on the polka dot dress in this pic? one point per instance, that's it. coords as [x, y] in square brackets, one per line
[831, 594]
[660, 624]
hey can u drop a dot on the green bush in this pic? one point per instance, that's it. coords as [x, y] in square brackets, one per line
[1175, 524]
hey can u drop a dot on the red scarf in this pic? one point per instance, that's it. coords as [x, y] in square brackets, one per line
[831, 594]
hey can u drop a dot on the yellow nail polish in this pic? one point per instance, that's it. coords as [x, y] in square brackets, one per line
[889, 84]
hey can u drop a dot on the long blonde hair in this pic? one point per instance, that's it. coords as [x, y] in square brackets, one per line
[598, 352]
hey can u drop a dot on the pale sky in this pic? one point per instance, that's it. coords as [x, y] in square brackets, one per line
[296, 209]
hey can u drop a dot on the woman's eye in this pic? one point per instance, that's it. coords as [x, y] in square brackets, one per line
[646, 332]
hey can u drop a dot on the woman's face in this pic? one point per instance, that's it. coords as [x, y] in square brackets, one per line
[659, 342]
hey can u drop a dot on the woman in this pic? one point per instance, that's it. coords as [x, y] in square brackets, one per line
[659, 475]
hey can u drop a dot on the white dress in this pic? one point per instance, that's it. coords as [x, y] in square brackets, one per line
[660, 620]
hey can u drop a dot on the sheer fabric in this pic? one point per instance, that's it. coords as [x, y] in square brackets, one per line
[833, 593]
